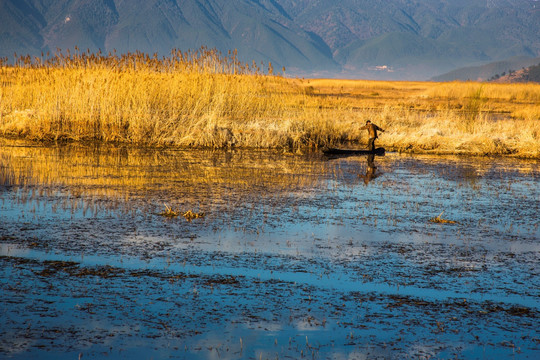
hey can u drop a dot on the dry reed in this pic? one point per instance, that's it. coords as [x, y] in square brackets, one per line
[206, 99]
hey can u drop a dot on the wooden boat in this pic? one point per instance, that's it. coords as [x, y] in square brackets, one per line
[333, 151]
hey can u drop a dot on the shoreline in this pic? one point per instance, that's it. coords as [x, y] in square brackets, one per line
[299, 151]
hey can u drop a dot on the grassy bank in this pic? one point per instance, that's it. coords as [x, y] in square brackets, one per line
[206, 99]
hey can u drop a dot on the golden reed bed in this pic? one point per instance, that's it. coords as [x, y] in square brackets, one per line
[206, 99]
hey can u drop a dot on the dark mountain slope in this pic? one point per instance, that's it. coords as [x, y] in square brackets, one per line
[85, 24]
[413, 38]
[441, 34]
[259, 31]
[20, 29]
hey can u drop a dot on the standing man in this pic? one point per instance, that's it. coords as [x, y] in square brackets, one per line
[372, 130]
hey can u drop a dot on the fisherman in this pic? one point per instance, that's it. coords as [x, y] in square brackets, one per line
[372, 130]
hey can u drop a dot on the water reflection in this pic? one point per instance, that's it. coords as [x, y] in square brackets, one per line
[200, 177]
[253, 189]
[370, 169]
[294, 233]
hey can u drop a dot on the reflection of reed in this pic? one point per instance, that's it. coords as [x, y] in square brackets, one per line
[8, 176]
[119, 173]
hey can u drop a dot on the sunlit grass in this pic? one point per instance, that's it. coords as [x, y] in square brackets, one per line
[206, 99]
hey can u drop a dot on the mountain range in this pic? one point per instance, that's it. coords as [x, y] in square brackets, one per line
[374, 39]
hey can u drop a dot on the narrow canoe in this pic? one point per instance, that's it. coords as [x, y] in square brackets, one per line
[333, 151]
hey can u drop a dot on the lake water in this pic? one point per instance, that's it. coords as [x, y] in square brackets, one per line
[293, 255]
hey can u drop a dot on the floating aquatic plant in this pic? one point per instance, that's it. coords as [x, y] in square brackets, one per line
[440, 220]
[189, 215]
[169, 212]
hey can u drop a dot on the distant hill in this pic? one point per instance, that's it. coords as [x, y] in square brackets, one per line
[530, 74]
[384, 39]
[487, 71]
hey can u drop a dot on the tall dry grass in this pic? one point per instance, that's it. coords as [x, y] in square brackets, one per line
[189, 99]
[207, 99]
[445, 118]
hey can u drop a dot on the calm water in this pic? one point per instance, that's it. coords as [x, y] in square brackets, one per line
[295, 256]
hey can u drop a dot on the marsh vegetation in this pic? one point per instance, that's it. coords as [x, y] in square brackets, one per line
[207, 99]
